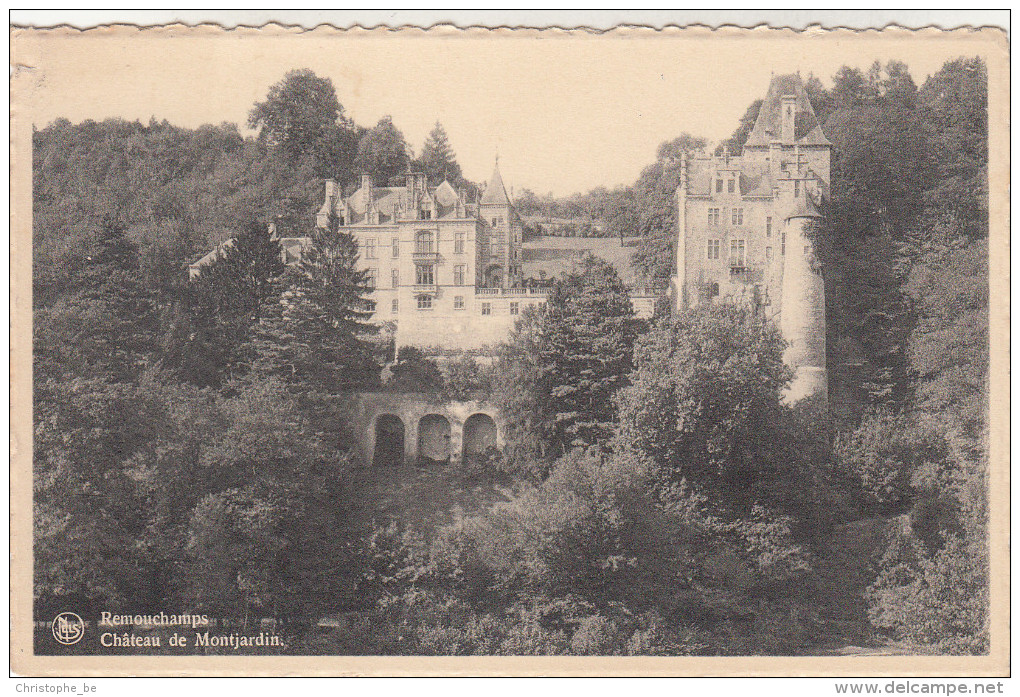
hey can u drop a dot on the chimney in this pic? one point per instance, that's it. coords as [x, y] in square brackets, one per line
[366, 185]
[331, 191]
[789, 118]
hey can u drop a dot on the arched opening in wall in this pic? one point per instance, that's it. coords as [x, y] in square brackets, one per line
[389, 441]
[479, 438]
[493, 276]
[433, 440]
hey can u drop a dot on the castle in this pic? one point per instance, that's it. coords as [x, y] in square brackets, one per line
[447, 272]
[743, 224]
[453, 274]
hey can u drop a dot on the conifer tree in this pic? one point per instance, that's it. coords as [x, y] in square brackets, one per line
[107, 326]
[439, 159]
[569, 363]
[209, 329]
[315, 333]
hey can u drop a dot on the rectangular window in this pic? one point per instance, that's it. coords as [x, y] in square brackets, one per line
[370, 248]
[373, 277]
[807, 249]
[486, 308]
[782, 247]
[730, 186]
[395, 306]
[395, 278]
[768, 226]
[425, 275]
[493, 222]
[396, 247]
[423, 242]
[424, 302]
[713, 216]
[515, 308]
[737, 216]
[796, 188]
[718, 186]
[713, 249]
[768, 253]
[458, 302]
[458, 274]
[736, 252]
[458, 243]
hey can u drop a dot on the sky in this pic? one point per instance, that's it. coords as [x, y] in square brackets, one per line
[565, 112]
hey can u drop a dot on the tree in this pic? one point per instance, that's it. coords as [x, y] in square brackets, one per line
[582, 351]
[656, 195]
[735, 143]
[413, 371]
[106, 324]
[316, 333]
[298, 112]
[439, 159]
[212, 324]
[382, 152]
[705, 405]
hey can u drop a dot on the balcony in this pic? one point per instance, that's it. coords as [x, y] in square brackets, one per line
[425, 289]
[425, 255]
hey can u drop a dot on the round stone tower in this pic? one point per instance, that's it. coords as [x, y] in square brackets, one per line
[802, 318]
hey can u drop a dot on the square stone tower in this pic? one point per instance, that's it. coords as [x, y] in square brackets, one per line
[744, 223]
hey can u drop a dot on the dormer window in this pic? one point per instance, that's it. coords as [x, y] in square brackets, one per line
[730, 186]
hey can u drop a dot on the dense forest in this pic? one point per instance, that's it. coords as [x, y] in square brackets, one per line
[655, 496]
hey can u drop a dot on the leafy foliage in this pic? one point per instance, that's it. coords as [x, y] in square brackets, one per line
[382, 152]
[578, 352]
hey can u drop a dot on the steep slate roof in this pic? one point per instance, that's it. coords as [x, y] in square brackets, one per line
[446, 195]
[385, 198]
[495, 192]
[768, 126]
[755, 179]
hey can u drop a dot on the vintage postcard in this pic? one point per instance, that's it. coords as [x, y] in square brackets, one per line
[518, 351]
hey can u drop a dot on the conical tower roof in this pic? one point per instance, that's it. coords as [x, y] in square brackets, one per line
[495, 192]
[767, 126]
[803, 208]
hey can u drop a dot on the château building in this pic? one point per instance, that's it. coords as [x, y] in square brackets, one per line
[743, 229]
[447, 272]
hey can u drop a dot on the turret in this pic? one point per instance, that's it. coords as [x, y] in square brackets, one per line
[328, 205]
[680, 281]
[802, 318]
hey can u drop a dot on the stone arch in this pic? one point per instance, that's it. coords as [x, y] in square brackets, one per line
[480, 435]
[434, 439]
[389, 441]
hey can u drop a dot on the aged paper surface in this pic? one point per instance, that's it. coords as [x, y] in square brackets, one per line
[541, 141]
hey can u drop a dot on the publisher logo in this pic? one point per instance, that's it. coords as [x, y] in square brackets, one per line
[68, 628]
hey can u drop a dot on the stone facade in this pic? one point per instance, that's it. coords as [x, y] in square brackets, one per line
[446, 271]
[742, 224]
